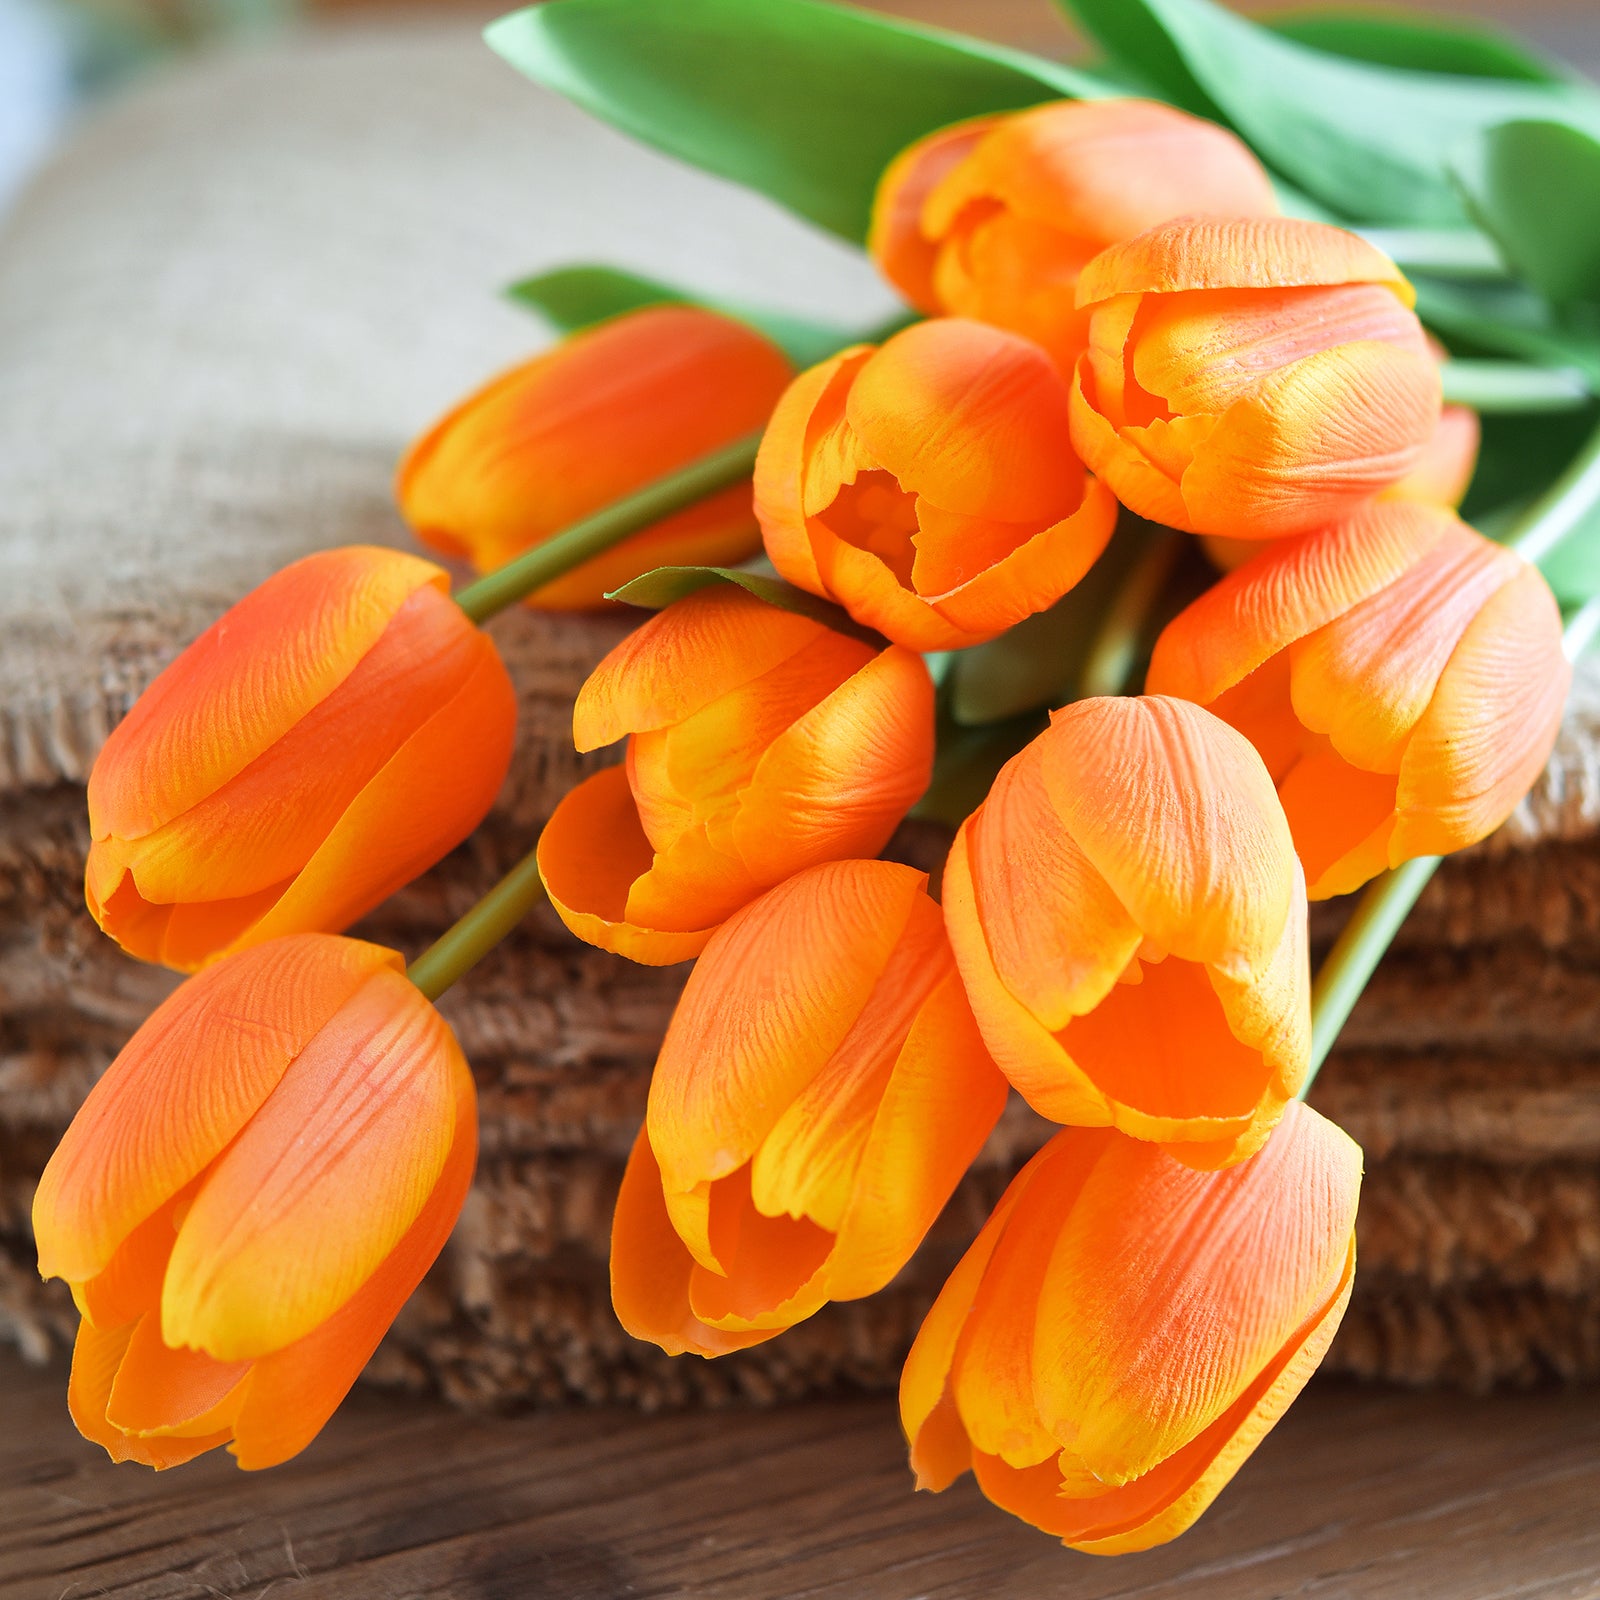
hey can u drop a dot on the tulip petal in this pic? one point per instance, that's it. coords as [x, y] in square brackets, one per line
[809, 408]
[1237, 253]
[686, 657]
[322, 1183]
[838, 781]
[130, 1285]
[590, 853]
[1490, 726]
[1449, 459]
[650, 1270]
[1027, 1052]
[971, 418]
[737, 1052]
[407, 818]
[1342, 820]
[1317, 439]
[246, 681]
[167, 1393]
[294, 1391]
[96, 1355]
[1171, 1289]
[904, 254]
[1177, 813]
[940, 1104]
[993, 1370]
[1117, 459]
[806, 1166]
[183, 1088]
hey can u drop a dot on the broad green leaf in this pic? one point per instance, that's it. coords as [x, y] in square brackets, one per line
[570, 298]
[1374, 142]
[1573, 567]
[965, 762]
[1535, 188]
[805, 102]
[663, 585]
[1521, 456]
[1418, 42]
[1504, 319]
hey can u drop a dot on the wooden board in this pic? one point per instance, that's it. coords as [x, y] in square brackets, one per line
[1363, 1493]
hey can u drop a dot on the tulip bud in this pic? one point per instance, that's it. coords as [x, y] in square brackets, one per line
[321, 744]
[1401, 676]
[820, 1092]
[1443, 473]
[760, 742]
[995, 218]
[928, 486]
[1130, 922]
[601, 415]
[1125, 1330]
[1250, 378]
[249, 1195]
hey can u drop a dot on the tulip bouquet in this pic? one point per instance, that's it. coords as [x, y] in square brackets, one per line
[1161, 406]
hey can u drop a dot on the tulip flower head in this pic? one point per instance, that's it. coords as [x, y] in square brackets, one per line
[1401, 676]
[604, 413]
[995, 218]
[1252, 378]
[760, 742]
[325, 741]
[1125, 1330]
[821, 1091]
[1130, 921]
[249, 1195]
[928, 485]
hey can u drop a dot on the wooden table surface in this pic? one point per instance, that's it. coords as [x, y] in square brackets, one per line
[1359, 1493]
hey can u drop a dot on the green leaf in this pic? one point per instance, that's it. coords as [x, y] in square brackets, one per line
[1535, 188]
[805, 102]
[1572, 569]
[1373, 142]
[1417, 42]
[661, 586]
[1504, 319]
[570, 298]
[965, 762]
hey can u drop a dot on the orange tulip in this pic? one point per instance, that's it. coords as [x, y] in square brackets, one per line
[759, 742]
[1251, 378]
[1401, 676]
[329, 738]
[928, 485]
[1125, 1330]
[995, 218]
[1130, 921]
[248, 1197]
[820, 1092]
[602, 414]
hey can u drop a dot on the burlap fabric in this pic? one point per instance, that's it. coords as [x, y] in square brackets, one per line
[222, 313]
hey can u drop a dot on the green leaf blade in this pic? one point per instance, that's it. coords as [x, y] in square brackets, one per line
[663, 586]
[804, 102]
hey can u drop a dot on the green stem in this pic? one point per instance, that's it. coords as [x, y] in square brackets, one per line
[544, 563]
[1513, 388]
[1445, 252]
[461, 947]
[1389, 898]
[1111, 659]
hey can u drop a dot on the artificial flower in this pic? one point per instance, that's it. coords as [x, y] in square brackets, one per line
[821, 1091]
[604, 413]
[1252, 377]
[249, 1195]
[1125, 1330]
[321, 744]
[1401, 676]
[760, 742]
[928, 485]
[1130, 921]
[995, 218]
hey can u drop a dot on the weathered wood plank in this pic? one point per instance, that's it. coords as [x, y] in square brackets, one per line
[1379, 1494]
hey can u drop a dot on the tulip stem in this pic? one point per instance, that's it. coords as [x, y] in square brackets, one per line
[463, 945]
[570, 548]
[1389, 898]
[1513, 388]
[1108, 666]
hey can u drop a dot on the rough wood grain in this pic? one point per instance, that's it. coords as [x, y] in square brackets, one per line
[1367, 1494]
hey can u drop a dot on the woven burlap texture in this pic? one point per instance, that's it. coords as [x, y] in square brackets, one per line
[223, 312]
